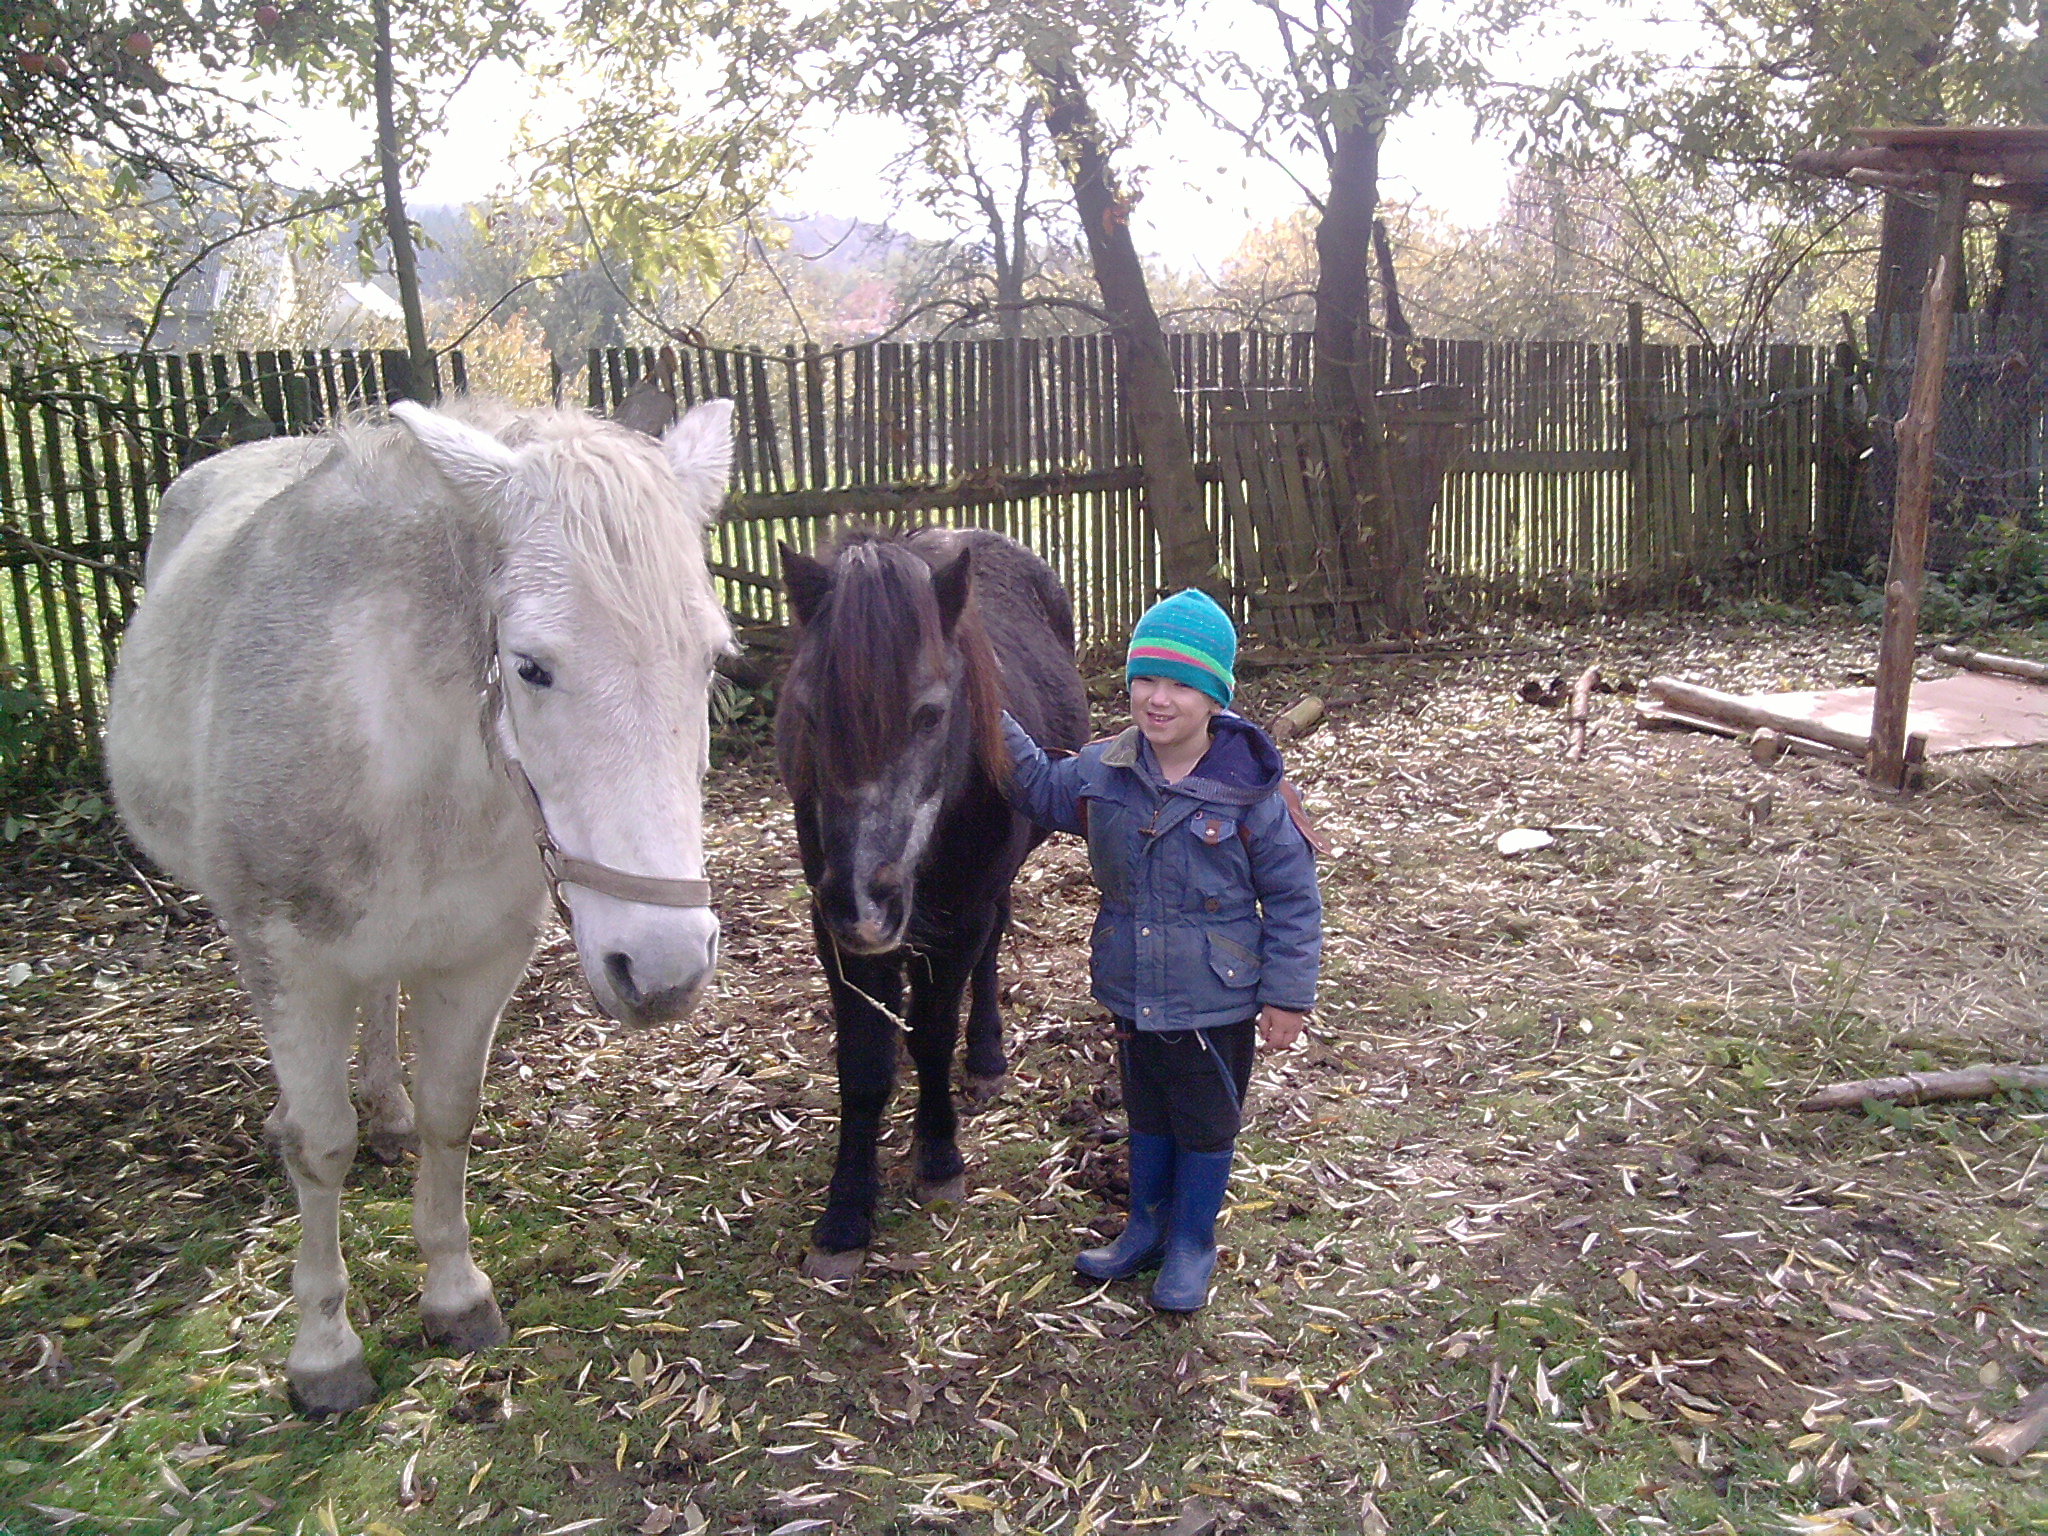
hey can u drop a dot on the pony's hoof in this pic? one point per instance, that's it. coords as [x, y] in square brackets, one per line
[946, 1192]
[820, 1265]
[480, 1326]
[343, 1389]
[979, 1090]
[389, 1147]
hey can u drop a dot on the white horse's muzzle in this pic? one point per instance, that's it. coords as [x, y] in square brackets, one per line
[645, 965]
[648, 943]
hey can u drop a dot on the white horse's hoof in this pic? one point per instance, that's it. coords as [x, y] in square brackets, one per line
[947, 1192]
[479, 1326]
[819, 1265]
[339, 1389]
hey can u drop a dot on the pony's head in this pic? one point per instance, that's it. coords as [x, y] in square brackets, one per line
[605, 629]
[892, 706]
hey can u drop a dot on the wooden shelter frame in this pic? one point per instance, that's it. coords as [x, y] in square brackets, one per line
[1946, 162]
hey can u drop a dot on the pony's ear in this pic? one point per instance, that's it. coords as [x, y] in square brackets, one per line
[806, 581]
[699, 450]
[473, 462]
[951, 583]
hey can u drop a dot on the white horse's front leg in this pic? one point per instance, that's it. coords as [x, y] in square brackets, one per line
[388, 1130]
[309, 1029]
[451, 1016]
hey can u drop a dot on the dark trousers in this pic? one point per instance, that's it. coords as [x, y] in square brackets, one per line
[1186, 1083]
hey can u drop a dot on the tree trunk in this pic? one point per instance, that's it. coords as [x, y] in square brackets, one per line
[1173, 493]
[396, 226]
[1344, 381]
[1010, 240]
[1904, 244]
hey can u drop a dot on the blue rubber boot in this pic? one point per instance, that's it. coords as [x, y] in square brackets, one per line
[1144, 1236]
[1199, 1179]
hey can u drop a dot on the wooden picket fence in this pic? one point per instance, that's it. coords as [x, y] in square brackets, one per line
[1590, 471]
[1587, 471]
[85, 450]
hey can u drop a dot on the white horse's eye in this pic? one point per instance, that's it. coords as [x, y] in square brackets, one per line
[534, 674]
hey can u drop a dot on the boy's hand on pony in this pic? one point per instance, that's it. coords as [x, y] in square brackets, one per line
[1279, 1028]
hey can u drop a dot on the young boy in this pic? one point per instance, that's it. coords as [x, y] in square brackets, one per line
[1210, 923]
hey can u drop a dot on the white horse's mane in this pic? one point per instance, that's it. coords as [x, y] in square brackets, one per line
[631, 524]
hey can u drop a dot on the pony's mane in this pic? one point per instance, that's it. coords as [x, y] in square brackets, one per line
[865, 655]
[633, 530]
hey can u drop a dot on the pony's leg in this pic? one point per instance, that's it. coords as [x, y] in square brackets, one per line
[938, 978]
[866, 992]
[983, 1069]
[309, 1028]
[451, 1016]
[388, 1132]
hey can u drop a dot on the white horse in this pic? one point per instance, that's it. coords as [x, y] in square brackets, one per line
[368, 674]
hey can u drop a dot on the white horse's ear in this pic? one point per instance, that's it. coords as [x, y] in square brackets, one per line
[473, 462]
[699, 449]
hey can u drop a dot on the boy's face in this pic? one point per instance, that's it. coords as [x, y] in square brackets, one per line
[1172, 715]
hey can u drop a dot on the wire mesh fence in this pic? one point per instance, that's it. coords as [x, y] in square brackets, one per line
[1991, 440]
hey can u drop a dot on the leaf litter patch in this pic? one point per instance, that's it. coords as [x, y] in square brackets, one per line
[1527, 1236]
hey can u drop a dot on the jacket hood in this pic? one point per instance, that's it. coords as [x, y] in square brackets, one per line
[1241, 767]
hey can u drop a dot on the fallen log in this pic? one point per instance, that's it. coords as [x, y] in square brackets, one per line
[1297, 720]
[1984, 661]
[1738, 716]
[1370, 650]
[1767, 746]
[1978, 1082]
[2004, 1444]
[1749, 715]
[1575, 720]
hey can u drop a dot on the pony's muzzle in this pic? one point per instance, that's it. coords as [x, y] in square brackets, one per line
[871, 938]
[880, 921]
[653, 972]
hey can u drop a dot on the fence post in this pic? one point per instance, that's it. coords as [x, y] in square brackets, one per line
[1635, 436]
[395, 368]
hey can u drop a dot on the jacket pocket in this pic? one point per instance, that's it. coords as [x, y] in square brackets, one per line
[1219, 870]
[1234, 965]
[1113, 963]
[1109, 846]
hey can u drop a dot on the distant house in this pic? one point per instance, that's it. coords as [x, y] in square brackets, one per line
[264, 287]
[361, 313]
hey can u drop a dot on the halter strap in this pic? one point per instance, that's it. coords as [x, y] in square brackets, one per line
[566, 869]
[561, 868]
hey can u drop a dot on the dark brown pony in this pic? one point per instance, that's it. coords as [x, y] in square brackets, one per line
[889, 738]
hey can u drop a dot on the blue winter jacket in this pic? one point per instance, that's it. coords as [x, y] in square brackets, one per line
[1200, 924]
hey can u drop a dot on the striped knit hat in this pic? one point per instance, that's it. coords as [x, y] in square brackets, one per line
[1188, 638]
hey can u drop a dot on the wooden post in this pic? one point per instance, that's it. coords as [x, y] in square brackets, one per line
[1635, 437]
[1915, 490]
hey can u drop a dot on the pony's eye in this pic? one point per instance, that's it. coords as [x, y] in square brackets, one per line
[926, 719]
[534, 674]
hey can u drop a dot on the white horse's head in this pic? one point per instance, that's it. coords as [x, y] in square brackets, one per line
[606, 630]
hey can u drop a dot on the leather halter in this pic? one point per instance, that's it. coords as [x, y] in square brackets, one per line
[561, 868]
